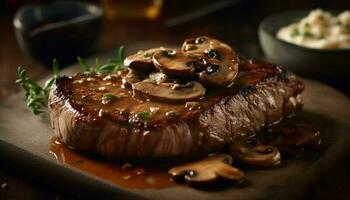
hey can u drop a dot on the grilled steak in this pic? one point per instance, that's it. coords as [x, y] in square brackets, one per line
[100, 114]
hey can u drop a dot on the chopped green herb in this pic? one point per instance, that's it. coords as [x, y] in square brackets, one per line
[307, 34]
[338, 23]
[295, 32]
[307, 25]
[146, 54]
[106, 98]
[145, 115]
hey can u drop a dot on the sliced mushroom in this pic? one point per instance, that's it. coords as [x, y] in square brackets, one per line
[250, 152]
[218, 73]
[297, 137]
[204, 44]
[169, 92]
[221, 65]
[142, 61]
[207, 171]
[176, 63]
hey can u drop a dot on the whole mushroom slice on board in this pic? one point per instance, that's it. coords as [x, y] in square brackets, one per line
[207, 171]
[295, 138]
[218, 73]
[251, 153]
[142, 60]
[169, 92]
[175, 63]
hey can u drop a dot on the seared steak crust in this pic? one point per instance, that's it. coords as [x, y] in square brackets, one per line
[261, 95]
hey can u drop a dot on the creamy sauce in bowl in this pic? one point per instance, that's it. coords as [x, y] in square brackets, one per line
[320, 30]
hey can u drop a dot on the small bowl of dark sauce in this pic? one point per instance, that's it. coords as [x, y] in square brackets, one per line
[62, 30]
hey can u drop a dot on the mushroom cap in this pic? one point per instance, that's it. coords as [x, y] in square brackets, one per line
[222, 65]
[174, 63]
[211, 62]
[207, 171]
[142, 60]
[203, 43]
[169, 92]
[250, 152]
[219, 73]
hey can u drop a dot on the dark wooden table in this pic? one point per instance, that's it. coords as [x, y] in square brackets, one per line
[236, 27]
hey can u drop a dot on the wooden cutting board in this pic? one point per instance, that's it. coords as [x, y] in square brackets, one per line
[25, 140]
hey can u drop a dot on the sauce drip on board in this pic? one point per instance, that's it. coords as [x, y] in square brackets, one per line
[122, 174]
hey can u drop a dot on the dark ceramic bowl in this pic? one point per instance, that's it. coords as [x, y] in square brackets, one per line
[316, 63]
[62, 30]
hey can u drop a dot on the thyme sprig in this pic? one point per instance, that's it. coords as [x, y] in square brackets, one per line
[112, 65]
[37, 96]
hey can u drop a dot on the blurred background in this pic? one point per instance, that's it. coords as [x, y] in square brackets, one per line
[127, 22]
[104, 25]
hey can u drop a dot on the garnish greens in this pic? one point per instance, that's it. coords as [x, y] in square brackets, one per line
[113, 65]
[295, 32]
[145, 115]
[106, 98]
[146, 54]
[307, 34]
[37, 96]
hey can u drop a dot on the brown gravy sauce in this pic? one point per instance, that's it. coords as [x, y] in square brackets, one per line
[122, 174]
[299, 135]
